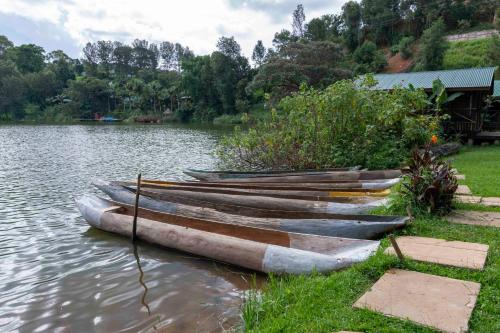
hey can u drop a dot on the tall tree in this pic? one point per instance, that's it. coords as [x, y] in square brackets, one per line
[433, 45]
[259, 53]
[28, 58]
[298, 21]
[351, 13]
[5, 44]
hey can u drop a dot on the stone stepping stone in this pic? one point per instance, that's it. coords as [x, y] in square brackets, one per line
[472, 199]
[440, 251]
[491, 201]
[463, 190]
[441, 303]
[460, 177]
[488, 219]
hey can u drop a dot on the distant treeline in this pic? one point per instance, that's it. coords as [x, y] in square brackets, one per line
[121, 80]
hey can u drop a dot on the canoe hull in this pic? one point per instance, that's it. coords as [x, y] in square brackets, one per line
[299, 258]
[331, 176]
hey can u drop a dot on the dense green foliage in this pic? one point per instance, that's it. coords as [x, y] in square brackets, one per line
[342, 125]
[433, 46]
[323, 303]
[164, 79]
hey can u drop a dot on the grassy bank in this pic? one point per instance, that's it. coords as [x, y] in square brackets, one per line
[323, 303]
[468, 53]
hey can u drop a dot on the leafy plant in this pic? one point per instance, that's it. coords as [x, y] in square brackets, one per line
[429, 184]
[346, 124]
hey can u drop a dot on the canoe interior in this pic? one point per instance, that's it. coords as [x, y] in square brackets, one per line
[314, 243]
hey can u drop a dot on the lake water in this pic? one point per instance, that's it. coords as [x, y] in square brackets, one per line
[59, 275]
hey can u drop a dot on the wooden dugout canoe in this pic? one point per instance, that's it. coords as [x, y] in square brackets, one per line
[368, 186]
[246, 174]
[213, 200]
[352, 226]
[261, 250]
[345, 197]
[296, 178]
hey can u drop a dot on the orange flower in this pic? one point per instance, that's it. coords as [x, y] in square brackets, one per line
[434, 139]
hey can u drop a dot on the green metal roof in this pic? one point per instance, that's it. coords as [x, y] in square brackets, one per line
[475, 78]
[496, 88]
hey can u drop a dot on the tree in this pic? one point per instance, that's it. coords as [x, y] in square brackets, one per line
[12, 91]
[433, 45]
[282, 38]
[259, 53]
[298, 21]
[5, 44]
[351, 14]
[229, 47]
[369, 58]
[326, 27]
[315, 63]
[28, 58]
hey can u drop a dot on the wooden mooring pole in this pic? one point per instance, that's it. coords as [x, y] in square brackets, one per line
[396, 247]
[136, 208]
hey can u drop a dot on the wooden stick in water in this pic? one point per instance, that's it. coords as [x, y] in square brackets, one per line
[136, 209]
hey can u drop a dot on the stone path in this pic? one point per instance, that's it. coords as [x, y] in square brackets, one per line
[460, 177]
[463, 190]
[438, 302]
[440, 251]
[472, 199]
[485, 201]
[489, 219]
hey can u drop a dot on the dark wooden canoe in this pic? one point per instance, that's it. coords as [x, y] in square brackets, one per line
[257, 249]
[355, 226]
[300, 178]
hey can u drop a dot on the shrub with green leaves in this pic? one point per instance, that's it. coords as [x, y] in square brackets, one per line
[346, 124]
[429, 184]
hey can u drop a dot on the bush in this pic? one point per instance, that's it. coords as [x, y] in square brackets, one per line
[429, 184]
[346, 124]
[404, 47]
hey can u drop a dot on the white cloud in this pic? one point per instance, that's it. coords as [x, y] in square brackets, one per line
[194, 23]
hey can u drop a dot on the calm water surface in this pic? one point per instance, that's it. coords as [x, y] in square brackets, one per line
[59, 275]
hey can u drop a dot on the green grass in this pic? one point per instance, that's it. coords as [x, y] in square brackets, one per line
[466, 54]
[323, 303]
[481, 166]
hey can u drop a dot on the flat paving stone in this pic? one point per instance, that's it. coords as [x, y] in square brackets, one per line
[463, 190]
[488, 219]
[441, 303]
[468, 199]
[491, 201]
[460, 177]
[440, 251]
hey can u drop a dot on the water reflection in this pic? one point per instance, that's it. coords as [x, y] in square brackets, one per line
[141, 278]
[59, 275]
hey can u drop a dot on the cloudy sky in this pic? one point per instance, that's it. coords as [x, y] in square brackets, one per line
[69, 24]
